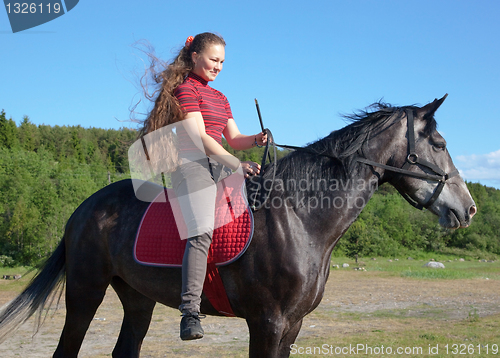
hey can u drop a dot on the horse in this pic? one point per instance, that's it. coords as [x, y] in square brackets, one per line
[316, 193]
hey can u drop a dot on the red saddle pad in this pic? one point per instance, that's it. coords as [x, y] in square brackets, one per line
[158, 240]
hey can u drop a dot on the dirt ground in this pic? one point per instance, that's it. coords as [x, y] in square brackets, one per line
[347, 292]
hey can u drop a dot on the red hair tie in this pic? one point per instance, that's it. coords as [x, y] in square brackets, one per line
[188, 41]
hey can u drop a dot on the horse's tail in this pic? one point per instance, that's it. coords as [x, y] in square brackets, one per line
[42, 289]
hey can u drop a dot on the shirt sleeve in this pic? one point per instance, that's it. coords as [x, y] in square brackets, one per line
[188, 98]
[228, 108]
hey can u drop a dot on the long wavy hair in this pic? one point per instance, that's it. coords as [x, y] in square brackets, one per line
[162, 153]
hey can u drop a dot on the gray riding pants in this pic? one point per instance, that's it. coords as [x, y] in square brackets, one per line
[196, 190]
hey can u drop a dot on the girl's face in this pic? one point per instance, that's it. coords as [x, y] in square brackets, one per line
[208, 64]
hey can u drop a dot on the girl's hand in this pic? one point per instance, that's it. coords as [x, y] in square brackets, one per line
[250, 168]
[261, 138]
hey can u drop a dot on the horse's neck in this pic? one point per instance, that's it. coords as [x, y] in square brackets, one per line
[354, 192]
[341, 205]
[321, 214]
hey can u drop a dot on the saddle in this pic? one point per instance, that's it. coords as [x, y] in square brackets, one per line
[158, 240]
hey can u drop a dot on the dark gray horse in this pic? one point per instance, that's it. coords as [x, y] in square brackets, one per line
[316, 195]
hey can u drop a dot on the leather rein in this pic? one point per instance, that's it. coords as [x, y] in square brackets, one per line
[437, 175]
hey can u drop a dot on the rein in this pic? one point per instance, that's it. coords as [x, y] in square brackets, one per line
[412, 158]
[258, 195]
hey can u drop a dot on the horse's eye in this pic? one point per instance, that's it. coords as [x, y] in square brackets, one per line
[439, 146]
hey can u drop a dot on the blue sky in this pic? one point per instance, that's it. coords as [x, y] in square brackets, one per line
[306, 63]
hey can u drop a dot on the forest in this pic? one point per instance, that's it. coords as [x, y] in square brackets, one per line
[47, 171]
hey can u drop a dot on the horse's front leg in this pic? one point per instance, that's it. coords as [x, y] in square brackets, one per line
[272, 337]
[288, 339]
[265, 335]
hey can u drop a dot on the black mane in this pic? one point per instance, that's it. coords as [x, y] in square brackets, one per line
[335, 155]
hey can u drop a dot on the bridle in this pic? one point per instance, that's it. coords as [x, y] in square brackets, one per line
[437, 175]
[412, 158]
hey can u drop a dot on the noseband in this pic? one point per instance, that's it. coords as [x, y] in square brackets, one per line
[437, 175]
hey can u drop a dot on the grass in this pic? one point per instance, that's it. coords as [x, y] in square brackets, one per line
[419, 331]
[20, 270]
[427, 273]
[454, 269]
[414, 337]
[427, 331]
[15, 285]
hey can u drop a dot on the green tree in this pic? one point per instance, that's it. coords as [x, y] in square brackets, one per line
[28, 135]
[8, 132]
[47, 171]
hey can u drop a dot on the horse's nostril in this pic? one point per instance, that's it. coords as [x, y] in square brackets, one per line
[472, 210]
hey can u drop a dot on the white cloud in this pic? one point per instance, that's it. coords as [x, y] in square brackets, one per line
[483, 168]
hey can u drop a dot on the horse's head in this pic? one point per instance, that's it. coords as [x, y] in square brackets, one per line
[431, 179]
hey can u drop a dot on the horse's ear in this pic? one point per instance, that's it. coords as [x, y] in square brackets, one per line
[431, 108]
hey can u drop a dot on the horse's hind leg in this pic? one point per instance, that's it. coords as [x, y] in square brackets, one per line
[137, 310]
[83, 297]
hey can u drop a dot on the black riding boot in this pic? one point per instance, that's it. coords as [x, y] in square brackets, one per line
[191, 326]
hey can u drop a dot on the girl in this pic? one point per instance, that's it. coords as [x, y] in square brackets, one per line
[186, 95]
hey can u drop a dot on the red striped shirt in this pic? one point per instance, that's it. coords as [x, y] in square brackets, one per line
[195, 95]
